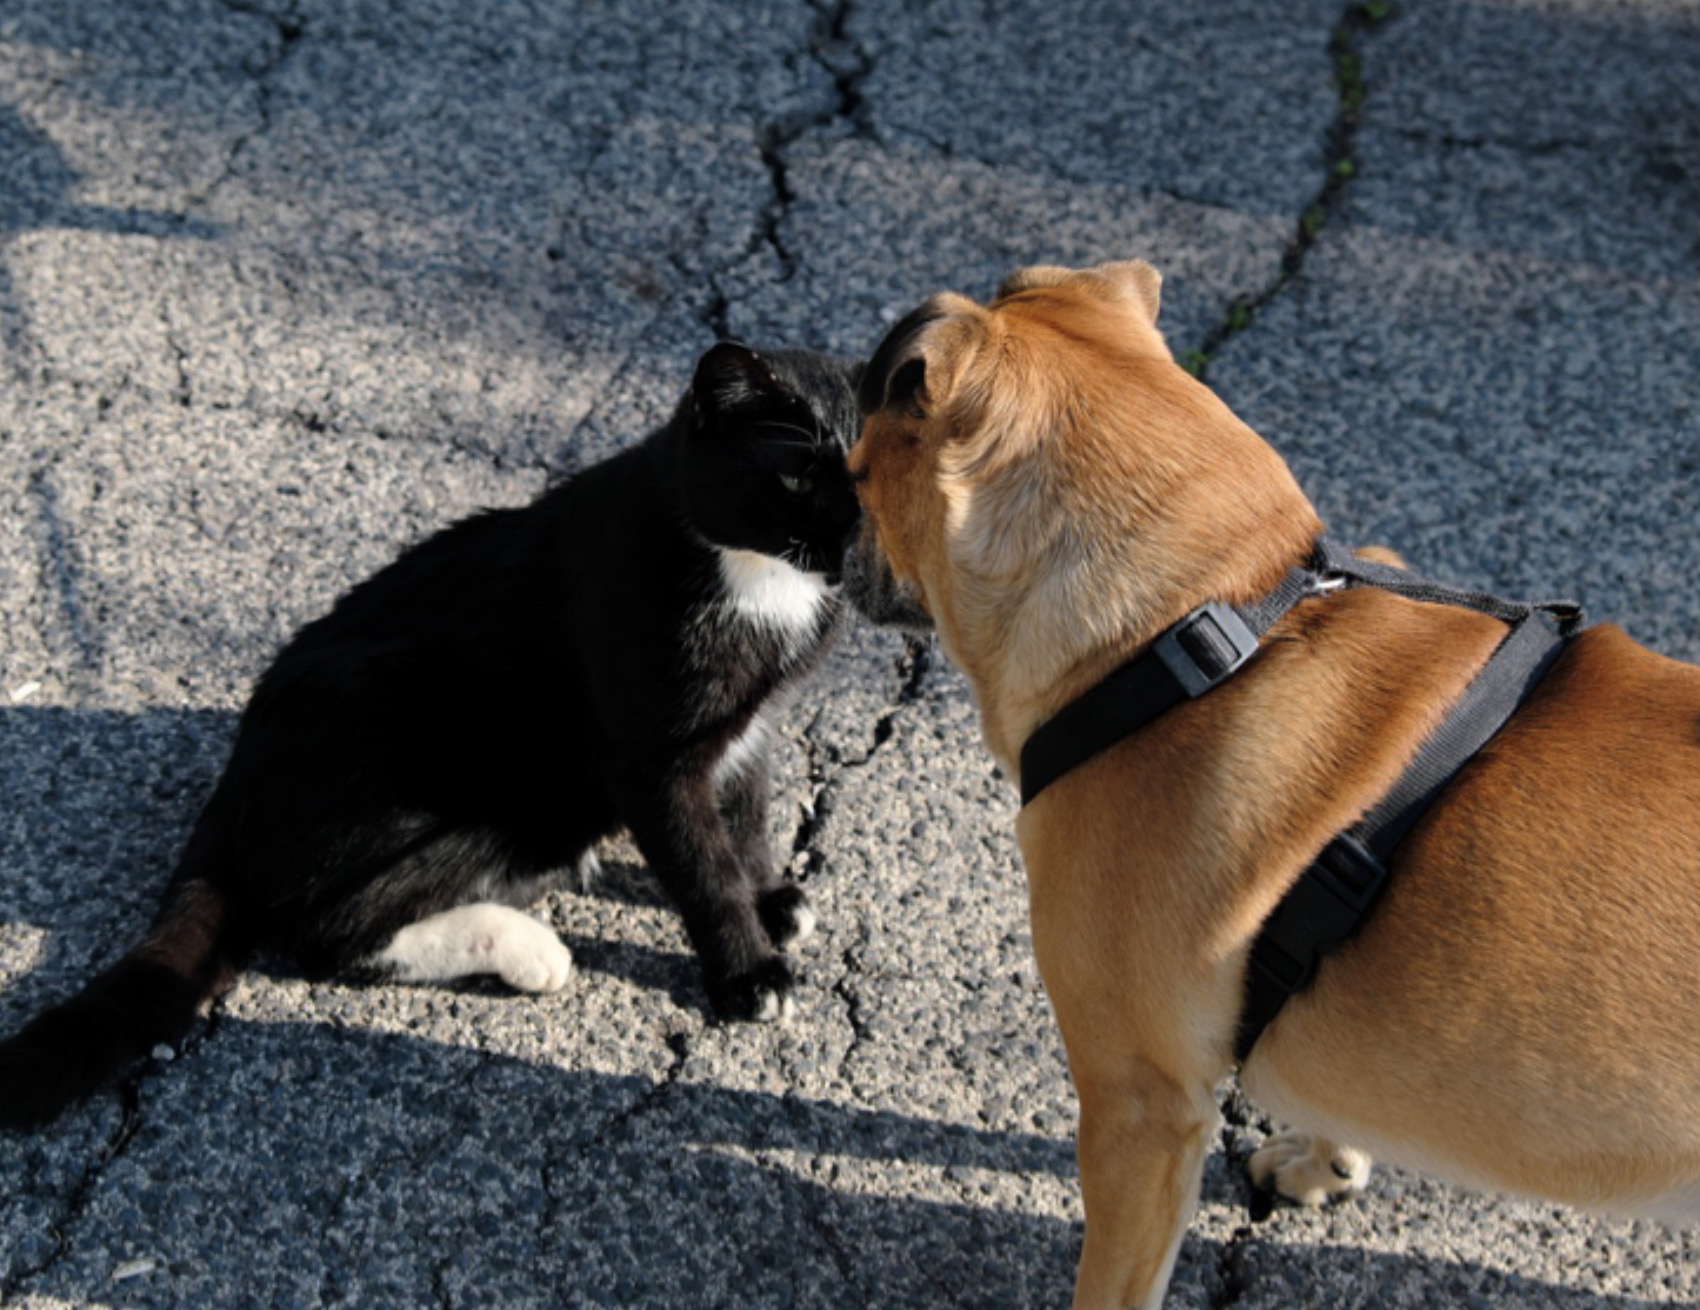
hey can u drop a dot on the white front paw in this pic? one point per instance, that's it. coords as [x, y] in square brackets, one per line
[1308, 1169]
[804, 924]
[535, 961]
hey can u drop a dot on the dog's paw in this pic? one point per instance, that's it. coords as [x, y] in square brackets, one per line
[1308, 1169]
[787, 916]
[763, 995]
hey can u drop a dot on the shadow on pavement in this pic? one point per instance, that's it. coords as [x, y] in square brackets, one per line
[40, 184]
[298, 1164]
[313, 1163]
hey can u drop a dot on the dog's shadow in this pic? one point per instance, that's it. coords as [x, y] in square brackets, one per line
[320, 1161]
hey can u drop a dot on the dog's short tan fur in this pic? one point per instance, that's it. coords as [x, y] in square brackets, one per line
[1521, 1010]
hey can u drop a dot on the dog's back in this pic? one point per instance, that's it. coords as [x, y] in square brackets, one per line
[1520, 1011]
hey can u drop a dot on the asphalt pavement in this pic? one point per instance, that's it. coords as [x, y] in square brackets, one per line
[284, 287]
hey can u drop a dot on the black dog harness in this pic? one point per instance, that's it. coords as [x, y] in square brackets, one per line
[1334, 895]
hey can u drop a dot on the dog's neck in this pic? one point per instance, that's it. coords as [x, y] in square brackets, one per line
[1064, 636]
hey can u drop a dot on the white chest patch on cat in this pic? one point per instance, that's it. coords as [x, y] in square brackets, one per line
[769, 591]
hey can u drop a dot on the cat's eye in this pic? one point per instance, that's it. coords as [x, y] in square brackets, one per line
[796, 484]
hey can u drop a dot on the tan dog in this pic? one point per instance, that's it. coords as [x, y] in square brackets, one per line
[1522, 1009]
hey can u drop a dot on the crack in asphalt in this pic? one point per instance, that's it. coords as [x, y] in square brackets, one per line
[810, 1201]
[81, 1195]
[449, 442]
[550, 1166]
[847, 62]
[771, 147]
[289, 28]
[333, 1279]
[1492, 141]
[679, 1044]
[852, 1012]
[440, 1282]
[563, 460]
[1356, 20]
[827, 769]
[827, 772]
[184, 390]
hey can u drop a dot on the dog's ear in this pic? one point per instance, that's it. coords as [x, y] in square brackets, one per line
[1132, 282]
[1135, 281]
[897, 371]
[1032, 278]
[730, 378]
[912, 368]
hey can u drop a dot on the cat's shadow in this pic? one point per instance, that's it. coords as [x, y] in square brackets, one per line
[623, 884]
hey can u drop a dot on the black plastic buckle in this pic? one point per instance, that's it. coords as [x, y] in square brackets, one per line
[1352, 873]
[1205, 633]
[1322, 909]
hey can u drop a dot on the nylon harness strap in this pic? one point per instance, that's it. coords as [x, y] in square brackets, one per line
[1332, 897]
[1204, 649]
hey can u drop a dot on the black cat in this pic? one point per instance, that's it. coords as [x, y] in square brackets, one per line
[475, 716]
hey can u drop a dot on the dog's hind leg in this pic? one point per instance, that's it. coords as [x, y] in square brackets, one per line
[1142, 1146]
[1306, 1168]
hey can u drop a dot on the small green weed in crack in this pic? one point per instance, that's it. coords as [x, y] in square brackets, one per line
[1350, 90]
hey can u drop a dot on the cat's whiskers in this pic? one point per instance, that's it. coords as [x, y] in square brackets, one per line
[796, 554]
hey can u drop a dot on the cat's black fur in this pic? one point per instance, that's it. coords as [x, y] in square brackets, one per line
[476, 715]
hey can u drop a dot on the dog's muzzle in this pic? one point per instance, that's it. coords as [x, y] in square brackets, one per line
[875, 590]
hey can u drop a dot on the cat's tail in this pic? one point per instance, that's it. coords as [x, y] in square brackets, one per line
[148, 997]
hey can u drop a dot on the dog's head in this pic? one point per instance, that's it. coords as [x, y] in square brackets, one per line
[1043, 481]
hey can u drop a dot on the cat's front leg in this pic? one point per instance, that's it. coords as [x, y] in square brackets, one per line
[674, 814]
[782, 906]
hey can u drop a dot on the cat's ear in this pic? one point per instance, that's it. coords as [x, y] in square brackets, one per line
[732, 378]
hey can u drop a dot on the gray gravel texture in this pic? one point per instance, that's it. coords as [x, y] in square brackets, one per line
[284, 287]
